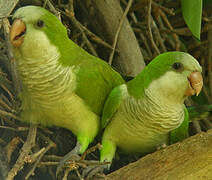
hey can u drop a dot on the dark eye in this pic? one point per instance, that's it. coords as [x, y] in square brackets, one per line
[177, 66]
[40, 23]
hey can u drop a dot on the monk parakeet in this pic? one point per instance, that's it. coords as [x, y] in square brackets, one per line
[140, 114]
[62, 84]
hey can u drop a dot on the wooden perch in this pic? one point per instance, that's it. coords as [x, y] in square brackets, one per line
[187, 160]
[109, 13]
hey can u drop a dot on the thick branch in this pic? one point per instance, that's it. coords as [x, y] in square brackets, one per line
[190, 159]
[109, 14]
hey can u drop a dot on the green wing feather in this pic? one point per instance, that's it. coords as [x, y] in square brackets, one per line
[182, 131]
[192, 113]
[95, 78]
[112, 104]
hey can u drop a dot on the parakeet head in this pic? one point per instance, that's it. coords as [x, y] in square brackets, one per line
[36, 33]
[174, 75]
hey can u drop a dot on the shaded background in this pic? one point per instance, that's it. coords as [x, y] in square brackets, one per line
[127, 42]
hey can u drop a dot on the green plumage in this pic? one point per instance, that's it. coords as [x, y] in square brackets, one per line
[63, 85]
[140, 114]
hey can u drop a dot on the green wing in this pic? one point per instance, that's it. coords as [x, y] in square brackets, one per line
[112, 104]
[94, 81]
[192, 113]
[181, 132]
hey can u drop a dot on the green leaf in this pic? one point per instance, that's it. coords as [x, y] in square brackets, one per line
[192, 13]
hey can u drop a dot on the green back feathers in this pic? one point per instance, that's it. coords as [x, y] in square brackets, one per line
[155, 69]
[95, 79]
[112, 104]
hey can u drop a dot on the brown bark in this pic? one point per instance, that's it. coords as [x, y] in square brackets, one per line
[109, 13]
[187, 160]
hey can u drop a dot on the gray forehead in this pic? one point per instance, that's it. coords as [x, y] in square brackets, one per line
[29, 13]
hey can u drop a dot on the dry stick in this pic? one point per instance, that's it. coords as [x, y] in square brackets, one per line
[11, 146]
[169, 11]
[149, 20]
[146, 44]
[70, 14]
[157, 32]
[176, 38]
[95, 38]
[207, 123]
[8, 92]
[52, 9]
[160, 40]
[141, 35]
[9, 128]
[49, 163]
[140, 5]
[6, 100]
[197, 126]
[163, 29]
[4, 113]
[77, 24]
[79, 175]
[25, 150]
[31, 172]
[118, 31]
[6, 106]
[90, 150]
[179, 31]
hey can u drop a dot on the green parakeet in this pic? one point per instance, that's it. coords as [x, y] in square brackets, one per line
[62, 84]
[140, 114]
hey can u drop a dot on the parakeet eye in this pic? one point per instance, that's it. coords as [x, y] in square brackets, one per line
[177, 66]
[40, 23]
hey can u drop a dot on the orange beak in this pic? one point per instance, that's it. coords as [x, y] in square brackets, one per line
[17, 32]
[195, 84]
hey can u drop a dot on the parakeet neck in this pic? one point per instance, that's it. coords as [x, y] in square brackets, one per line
[153, 114]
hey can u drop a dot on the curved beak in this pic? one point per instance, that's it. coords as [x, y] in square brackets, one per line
[17, 32]
[195, 84]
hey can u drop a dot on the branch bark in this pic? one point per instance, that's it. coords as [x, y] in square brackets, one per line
[190, 159]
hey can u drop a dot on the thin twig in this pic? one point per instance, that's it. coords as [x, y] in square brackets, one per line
[52, 9]
[140, 5]
[197, 126]
[11, 146]
[176, 38]
[70, 13]
[118, 31]
[4, 113]
[149, 20]
[90, 150]
[5, 105]
[25, 150]
[8, 92]
[31, 172]
[158, 36]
